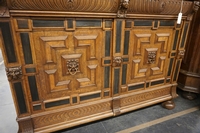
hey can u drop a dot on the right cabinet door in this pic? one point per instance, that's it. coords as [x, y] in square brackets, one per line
[141, 58]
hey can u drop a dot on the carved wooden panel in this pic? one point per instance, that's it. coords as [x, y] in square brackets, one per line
[144, 96]
[71, 114]
[150, 51]
[69, 62]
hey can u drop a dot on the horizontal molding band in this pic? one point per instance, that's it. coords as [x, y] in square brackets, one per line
[28, 13]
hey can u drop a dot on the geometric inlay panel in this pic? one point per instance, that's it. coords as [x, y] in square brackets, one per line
[162, 38]
[139, 40]
[149, 53]
[160, 68]
[50, 46]
[56, 85]
[91, 79]
[88, 42]
[136, 71]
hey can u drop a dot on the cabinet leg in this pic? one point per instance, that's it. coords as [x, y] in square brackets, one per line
[168, 105]
[189, 95]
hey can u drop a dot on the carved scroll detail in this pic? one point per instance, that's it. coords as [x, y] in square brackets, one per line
[151, 57]
[14, 73]
[72, 66]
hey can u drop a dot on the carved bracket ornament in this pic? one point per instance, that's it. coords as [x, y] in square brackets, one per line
[196, 5]
[151, 57]
[181, 54]
[123, 7]
[72, 66]
[117, 61]
[14, 73]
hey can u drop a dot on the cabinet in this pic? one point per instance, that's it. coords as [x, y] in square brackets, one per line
[76, 61]
[189, 76]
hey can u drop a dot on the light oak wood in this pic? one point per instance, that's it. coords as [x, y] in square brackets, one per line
[78, 61]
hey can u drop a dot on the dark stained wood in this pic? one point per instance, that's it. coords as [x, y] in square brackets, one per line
[79, 61]
[189, 76]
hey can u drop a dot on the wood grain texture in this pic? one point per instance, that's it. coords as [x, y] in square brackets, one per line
[189, 76]
[71, 115]
[110, 6]
[134, 99]
[66, 5]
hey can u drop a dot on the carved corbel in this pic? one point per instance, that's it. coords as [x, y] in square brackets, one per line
[123, 7]
[196, 6]
[14, 73]
[4, 12]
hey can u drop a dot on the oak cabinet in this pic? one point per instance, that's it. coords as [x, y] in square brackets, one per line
[74, 62]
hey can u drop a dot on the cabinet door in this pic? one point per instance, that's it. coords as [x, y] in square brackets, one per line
[69, 63]
[140, 55]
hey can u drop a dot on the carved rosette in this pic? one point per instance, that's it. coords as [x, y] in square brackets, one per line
[151, 57]
[72, 66]
[14, 73]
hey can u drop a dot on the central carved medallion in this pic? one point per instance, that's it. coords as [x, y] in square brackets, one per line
[151, 57]
[72, 66]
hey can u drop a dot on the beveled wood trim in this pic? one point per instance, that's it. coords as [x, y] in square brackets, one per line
[27, 13]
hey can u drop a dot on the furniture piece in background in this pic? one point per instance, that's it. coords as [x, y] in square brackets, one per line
[71, 62]
[189, 76]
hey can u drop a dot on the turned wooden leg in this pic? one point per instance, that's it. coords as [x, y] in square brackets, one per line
[189, 95]
[168, 105]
